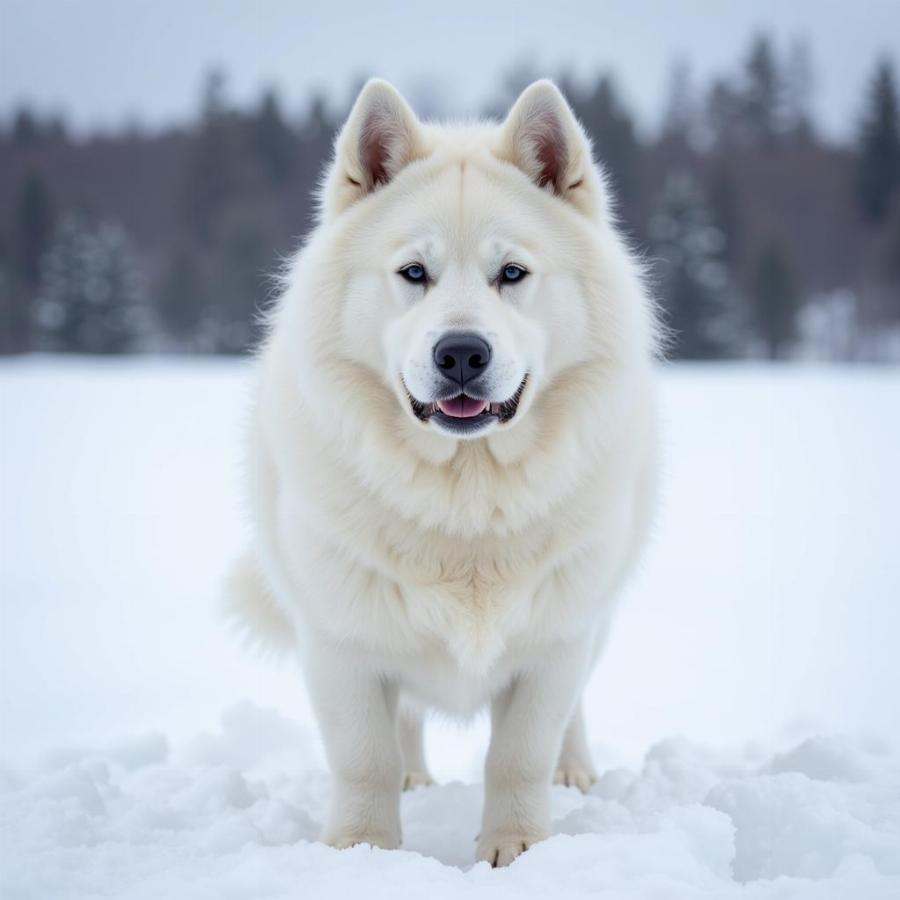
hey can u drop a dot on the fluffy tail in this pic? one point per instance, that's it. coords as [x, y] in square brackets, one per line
[254, 612]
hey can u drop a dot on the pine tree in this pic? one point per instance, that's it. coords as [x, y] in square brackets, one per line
[612, 129]
[60, 304]
[724, 112]
[698, 297]
[114, 292]
[241, 288]
[679, 124]
[15, 320]
[34, 223]
[891, 270]
[893, 260]
[315, 133]
[726, 207]
[318, 124]
[25, 129]
[28, 130]
[273, 140]
[777, 300]
[182, 298]
[879, 154]
[763, 93]
[212, 171]
[798, 90]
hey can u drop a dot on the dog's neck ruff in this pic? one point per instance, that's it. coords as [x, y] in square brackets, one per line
[498, 485]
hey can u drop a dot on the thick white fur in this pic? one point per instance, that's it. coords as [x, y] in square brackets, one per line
[411, 568]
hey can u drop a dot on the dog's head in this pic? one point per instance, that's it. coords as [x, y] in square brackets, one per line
[464, 257]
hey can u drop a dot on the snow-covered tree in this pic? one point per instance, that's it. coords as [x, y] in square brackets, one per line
[91, 296]
[62, 279]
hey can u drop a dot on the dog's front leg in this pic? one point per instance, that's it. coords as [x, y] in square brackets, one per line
[527, 724]
[356, 711]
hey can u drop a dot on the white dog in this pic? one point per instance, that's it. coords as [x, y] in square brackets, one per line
[452, 454]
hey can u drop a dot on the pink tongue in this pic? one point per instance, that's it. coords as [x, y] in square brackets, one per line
[462, 407]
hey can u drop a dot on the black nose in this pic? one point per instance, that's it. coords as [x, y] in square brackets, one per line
[462, 356]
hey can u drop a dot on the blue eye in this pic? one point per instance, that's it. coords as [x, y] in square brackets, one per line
[512, 273]
[414, 273]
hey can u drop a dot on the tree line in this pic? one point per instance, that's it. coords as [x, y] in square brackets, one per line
[764, 237]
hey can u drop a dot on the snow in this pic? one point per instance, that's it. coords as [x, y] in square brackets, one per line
[146, 754]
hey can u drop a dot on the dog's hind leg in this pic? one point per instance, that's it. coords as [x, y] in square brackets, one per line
[575, 767]
[412, 742]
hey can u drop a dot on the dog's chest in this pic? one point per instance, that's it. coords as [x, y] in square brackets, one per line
[460, 593]
[472, 599]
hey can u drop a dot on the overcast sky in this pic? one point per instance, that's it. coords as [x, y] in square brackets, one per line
[102, 62]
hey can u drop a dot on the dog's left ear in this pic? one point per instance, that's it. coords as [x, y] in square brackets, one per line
[380, 137]
[542, 137]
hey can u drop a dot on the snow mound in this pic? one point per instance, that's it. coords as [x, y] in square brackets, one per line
[235, 814]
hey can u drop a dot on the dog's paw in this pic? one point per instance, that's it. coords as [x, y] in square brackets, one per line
[382, 838]
[412, 780]
[500, 848]
[575, 775]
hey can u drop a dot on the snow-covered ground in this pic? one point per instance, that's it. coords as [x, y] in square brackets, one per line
[746, 715]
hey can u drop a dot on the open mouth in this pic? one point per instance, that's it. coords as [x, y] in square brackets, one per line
[465, 413]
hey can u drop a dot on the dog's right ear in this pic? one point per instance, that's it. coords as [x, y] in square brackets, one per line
[380, 137]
